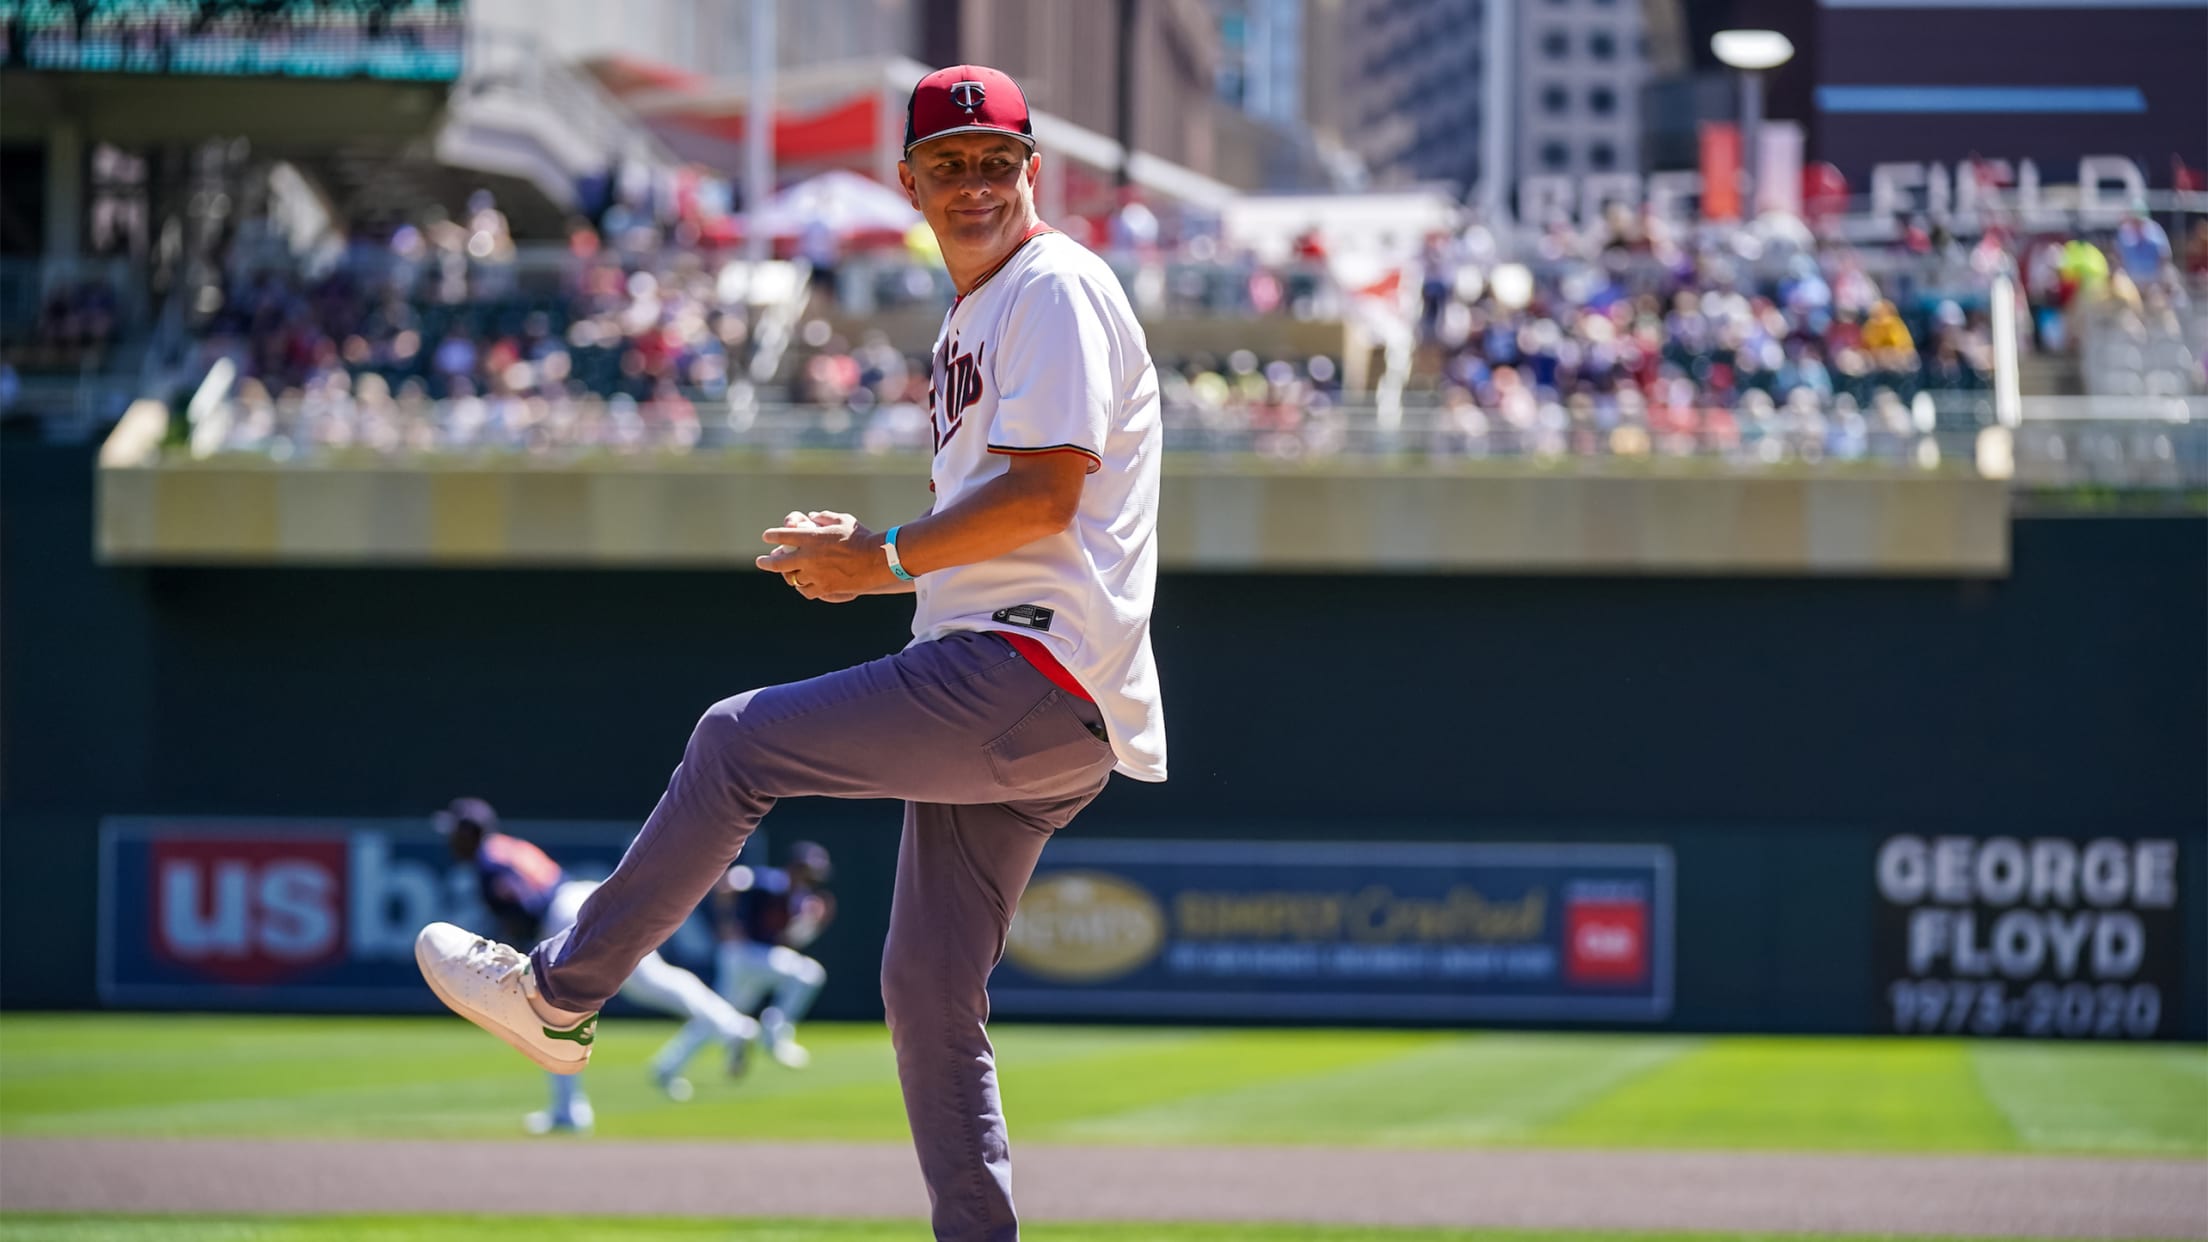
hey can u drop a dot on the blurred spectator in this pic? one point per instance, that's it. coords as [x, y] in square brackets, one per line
[2084, 270]
[77, 317]
[818, 246]
[1887, 337]
[2196, 251]
[2142, 247]
[1437, 281]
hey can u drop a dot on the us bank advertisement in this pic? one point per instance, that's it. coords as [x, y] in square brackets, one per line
[2042, 937]
[1339, 931]
[304, 914]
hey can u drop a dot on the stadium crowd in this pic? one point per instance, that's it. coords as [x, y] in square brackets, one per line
[1632, 341]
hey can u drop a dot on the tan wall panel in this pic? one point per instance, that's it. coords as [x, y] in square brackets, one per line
[467, 516]
[1496, 518]
[223, 514]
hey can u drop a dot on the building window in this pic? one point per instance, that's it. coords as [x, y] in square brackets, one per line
[1555, 99]
[1602, 45]
[1556, 45]
[1602, 101]
[1555, 156]
[1602, 157]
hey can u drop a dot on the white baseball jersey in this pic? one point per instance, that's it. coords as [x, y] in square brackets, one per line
[1045, 356]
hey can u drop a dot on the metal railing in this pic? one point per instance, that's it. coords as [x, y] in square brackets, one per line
[2088, 442]
[2143, 351]
[2113, 442]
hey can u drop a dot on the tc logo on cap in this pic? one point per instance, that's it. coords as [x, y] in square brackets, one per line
[967, 99]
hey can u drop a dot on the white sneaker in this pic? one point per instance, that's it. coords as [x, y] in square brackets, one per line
[491, 985]
[577, 1121]
[674, 1086]
[791, 1054]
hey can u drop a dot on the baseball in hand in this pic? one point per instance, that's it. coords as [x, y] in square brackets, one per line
[796, 519]
[792, 518]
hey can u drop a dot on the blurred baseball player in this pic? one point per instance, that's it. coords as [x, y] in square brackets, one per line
[764, 916]
[1028, 681]
[530, 897]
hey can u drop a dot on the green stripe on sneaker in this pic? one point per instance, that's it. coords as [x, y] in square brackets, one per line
[582, 1032]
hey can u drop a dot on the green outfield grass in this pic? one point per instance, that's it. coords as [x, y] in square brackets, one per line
[672, 1229]
[438, 1077]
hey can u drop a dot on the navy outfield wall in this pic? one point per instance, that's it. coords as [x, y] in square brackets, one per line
[1773, 734]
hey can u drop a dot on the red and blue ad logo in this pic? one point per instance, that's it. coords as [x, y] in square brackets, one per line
[1605, 940]
[247, 911]
[302, 914]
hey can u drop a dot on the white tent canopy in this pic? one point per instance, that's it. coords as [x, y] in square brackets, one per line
[850, 204]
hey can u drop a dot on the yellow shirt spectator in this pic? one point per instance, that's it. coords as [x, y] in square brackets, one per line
[1884, 332]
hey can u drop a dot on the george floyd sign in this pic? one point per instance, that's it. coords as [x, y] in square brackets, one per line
[2040, 936]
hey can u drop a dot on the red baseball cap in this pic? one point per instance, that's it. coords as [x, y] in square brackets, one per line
[967, 99]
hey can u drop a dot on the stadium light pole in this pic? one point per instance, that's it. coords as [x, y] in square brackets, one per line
[759, 137]
[1496, 62]
[1751, 53]
[1123, 77]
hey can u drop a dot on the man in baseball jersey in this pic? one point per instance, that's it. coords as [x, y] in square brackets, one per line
[1028, 681]
[764, 918]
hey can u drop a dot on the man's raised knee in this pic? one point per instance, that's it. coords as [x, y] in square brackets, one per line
[721, 730]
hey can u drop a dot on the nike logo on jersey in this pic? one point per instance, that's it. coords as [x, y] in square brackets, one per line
[956, 389]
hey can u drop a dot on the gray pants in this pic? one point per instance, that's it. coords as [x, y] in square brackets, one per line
[990, 757]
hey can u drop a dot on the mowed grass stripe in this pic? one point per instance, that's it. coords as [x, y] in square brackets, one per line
[1857, 1094]
[191, 1074]
[43, 1045]
[684, 1229]
[1057, 1101]
[1449, 1091]
[436, 1077]
[1051, 1078]
[2099, 1097]
[398, 1078]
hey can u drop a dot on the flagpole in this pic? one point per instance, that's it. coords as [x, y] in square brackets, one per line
[759, 133]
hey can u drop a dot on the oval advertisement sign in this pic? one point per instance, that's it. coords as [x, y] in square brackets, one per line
[1085, 927]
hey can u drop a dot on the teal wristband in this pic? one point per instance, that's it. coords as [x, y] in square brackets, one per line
[889, 549]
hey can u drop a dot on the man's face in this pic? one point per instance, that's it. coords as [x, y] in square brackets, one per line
[976, 190]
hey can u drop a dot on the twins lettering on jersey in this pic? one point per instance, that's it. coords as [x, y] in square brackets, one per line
[956, 389]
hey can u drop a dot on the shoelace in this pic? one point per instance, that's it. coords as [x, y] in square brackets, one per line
[498, 961]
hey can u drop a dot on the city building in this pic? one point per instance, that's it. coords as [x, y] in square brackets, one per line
[1581, 65]
[1412, 85]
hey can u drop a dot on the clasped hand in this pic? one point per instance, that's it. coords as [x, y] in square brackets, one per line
[827, 556]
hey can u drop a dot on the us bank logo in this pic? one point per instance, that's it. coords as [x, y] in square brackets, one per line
[1085, 927]
[268, 909]
[272, 913]
[246, 911]
[304, 914]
